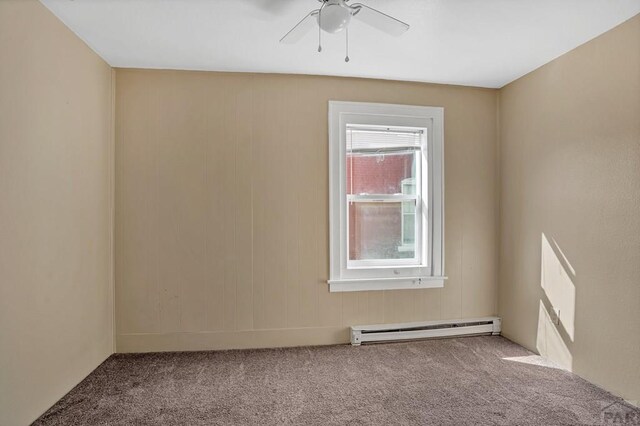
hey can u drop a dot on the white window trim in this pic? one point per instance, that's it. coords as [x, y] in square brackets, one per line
[431, 273]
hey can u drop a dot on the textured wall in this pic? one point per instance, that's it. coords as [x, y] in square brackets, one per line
[570, 210]
[56, 162]
[222, 210]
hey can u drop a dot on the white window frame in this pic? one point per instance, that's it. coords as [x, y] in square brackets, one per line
[429, 273]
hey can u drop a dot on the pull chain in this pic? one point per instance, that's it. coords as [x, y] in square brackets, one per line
[346, 58]
[320, 27]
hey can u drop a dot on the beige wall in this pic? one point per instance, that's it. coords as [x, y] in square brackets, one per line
[570, 210]
[222, 210]
[55, 166]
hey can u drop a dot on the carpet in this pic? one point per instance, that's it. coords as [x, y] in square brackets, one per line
[462, 381]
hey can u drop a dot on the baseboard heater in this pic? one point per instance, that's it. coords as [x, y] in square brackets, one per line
[424, 330]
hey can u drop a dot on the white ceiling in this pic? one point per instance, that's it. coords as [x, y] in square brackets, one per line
[484, 43]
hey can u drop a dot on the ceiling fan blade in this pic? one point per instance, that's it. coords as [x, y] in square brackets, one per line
[378, 20]
[301, 29]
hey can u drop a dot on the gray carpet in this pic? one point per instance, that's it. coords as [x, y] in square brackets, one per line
[462, 381]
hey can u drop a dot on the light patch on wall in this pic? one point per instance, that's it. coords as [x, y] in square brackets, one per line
[556, 317]
[556, 279]
[549, 341]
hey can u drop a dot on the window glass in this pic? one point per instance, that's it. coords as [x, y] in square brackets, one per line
[379, 172]
[382, 196]
[376, 230]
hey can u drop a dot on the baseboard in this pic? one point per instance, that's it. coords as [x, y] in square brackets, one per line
[220, 340]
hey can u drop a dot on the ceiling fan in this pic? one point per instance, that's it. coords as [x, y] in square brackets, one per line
[335, 15]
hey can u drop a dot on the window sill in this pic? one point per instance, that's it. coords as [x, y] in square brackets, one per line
[400, 283]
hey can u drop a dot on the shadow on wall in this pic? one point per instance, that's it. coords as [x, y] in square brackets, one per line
[556, 316]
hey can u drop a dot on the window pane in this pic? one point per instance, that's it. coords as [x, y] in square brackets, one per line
[381, 230]
[408, 223]
[381, 172]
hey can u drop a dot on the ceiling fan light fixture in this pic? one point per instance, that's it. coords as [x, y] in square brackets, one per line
[334, 17]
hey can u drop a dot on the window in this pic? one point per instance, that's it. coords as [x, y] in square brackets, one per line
[383, 166]
[386, 196]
